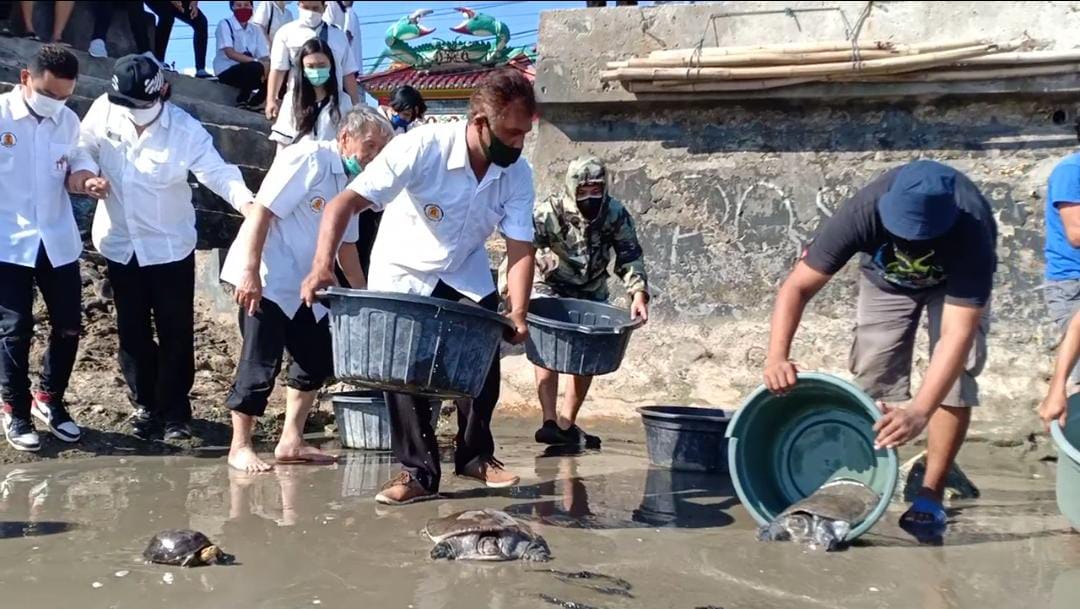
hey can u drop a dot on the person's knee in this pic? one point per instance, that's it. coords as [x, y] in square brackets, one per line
[21, 327]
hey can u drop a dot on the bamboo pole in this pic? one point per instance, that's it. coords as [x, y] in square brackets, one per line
[697, 87]
[966, 75]
[751, 59]
[872, 66]
[1023, 57]
[818, 47]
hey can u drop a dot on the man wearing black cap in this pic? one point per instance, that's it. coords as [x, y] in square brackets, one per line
[145, 227]
[927, 236]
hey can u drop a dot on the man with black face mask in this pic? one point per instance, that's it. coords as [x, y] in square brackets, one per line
[444, 189]
[577, 235]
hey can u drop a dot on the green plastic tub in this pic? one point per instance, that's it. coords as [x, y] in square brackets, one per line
[1068, 467]
[782, 449]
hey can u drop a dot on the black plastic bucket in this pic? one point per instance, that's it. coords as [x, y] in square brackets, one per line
[412, 344]
[686, 438]
[578, 336]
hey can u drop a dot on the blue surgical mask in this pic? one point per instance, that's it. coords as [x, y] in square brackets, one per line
[352, 165]
[399, 123]
[317, 76]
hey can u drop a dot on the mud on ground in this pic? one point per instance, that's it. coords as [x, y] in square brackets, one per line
[98, 398]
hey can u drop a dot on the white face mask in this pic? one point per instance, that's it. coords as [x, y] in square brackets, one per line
[143, 116]
[45, 107]
[311, 19]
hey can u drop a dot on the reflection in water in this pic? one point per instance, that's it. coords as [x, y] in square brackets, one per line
[680, 499]
[10, 529]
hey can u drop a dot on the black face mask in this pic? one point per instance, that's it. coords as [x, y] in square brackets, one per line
[590, 208]
[498, 152]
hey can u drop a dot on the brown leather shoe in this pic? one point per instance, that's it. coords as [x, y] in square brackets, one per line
[490, 473]
[403, 489]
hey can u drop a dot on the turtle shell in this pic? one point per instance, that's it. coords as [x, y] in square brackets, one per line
[472, 522]
[844, 500]
[171, 547]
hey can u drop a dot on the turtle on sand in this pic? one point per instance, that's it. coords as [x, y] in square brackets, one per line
[823, 520]
[185, 548]
[486, 534]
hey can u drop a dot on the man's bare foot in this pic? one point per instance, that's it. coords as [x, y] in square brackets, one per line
[244, 459]
[302, 452]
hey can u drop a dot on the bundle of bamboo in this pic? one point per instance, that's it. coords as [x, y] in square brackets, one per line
[784, 65]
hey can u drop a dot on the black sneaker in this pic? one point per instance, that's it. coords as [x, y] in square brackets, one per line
[51, 411]
[142, 424]
[550, 433]
[177, 431]
[577, 436]
[19, 432]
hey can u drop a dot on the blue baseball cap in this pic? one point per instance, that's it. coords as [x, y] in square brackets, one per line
[921, 203]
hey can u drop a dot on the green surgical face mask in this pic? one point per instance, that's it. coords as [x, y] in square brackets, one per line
[352, 165]
[317, 76]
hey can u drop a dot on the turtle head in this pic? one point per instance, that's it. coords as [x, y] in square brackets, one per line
[488, 546]
[212, 555]
[537, 551]
[443, 550]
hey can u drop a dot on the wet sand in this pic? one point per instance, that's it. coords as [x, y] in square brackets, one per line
[72, 531]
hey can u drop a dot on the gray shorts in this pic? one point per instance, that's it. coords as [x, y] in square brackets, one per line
[884, 345]
[1062, 302]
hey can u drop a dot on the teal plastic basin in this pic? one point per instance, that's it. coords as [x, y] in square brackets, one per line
[783, 448]
[1068, 467]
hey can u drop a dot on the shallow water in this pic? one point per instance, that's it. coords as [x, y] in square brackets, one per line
[622, 534]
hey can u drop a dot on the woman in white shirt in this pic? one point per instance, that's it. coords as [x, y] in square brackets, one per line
[318, 105]
[243, 57]
[406, 109]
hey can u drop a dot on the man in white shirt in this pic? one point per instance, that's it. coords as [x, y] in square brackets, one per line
[266, 264]
[283, 53]
[341, 15]
[243, 57]
[270, 16]
[145, 228]
[445, 188]
[39, 244]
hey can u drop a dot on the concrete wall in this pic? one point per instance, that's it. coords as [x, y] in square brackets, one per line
[728, 191]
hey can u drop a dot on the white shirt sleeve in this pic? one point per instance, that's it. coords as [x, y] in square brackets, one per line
[224, 36]
[85, 155]
[517, 223]
[334, 15]
[348, 66]
[390, 172]
[213, 172]
[285, 184]
[280, 58]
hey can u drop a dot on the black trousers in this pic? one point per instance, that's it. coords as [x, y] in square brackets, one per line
[61, 288]
[167, 15]
[103, 12]
[248, 77]
[413, 440]
[162, 297]
[267, 334]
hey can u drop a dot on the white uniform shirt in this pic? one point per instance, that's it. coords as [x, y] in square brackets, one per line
[346, 19]
[326, 128]
[231, 34]
[271, 18]
[440, 216]
[148, 211]
[34, 206]
[283, 55]
[302, 179]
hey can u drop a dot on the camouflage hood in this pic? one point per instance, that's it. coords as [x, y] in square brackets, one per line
[584, 170]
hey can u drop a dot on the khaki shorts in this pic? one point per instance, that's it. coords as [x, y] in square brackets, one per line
[884, 345]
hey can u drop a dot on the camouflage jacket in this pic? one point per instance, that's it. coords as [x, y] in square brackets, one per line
[573, 254]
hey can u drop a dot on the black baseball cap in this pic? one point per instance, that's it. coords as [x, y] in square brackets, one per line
[138, 81]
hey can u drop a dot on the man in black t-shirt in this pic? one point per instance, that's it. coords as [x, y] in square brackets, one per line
[927, 238]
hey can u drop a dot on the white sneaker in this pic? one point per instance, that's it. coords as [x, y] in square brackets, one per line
[20, 433]
[97, 48]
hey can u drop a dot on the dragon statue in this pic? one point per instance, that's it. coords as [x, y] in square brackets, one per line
[450, 54]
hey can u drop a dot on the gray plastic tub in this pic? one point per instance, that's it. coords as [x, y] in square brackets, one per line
[686, 438]
[363, 420]
[412, 344]
[578, 336]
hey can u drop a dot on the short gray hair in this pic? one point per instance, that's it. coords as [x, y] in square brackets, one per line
[363, 119]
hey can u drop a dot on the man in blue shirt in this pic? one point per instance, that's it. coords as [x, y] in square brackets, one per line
[1063, 246]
